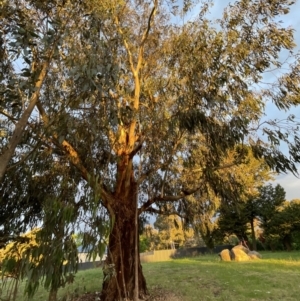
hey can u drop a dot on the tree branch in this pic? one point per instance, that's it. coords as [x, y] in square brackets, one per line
[145, 36]
[12, 119]
[168, 198]
[24, 158]
[126, 46]
[162, 212]
[21, 125]
[75, 159]
[216, 168]
[137, 148]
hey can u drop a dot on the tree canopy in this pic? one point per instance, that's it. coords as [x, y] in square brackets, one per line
[119, 105]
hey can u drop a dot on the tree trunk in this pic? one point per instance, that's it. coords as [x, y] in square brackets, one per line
[253, 238]
[52, 295]
[119, 268]
[287, 243]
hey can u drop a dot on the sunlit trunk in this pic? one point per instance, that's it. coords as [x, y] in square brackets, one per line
[253, 238]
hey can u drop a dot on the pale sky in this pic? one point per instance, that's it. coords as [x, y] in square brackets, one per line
[289, 182]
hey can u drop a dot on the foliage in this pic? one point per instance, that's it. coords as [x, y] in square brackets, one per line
[78, 237]
[149, 238]
[269, 200]
[127, 104]
[277, 219]
[281, 230]
[19, 202]
[260, 207]
[144, 244]
[171, 233]
[215, 217]
[51, 262]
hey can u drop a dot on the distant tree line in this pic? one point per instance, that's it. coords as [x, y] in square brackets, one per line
[267, 221]
[264, 222]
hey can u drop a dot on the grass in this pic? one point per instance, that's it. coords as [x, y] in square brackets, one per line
[276, 277]
[85, 281]
[204, 278]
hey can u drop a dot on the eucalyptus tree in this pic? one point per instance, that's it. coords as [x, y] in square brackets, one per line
[130, 94]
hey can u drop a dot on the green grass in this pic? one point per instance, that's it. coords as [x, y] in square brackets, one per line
[275, 277]
[85, 281]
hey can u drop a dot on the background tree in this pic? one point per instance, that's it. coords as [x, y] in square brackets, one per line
[171, 232]
[149, 239]
[235, 217]
[280, 230]
[213, 215]
[130, 95]
[268, 201]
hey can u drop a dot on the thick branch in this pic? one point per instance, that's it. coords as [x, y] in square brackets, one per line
[168, 198]
[150, 20]
[162, 212]
[71, 153]
[136, 149]
[76, 161]
[21, 125]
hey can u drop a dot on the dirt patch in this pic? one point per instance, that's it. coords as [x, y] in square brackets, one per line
[156, 294]
[87, 297]
[160, 294]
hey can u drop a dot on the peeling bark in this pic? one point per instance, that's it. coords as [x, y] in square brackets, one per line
[119, 268]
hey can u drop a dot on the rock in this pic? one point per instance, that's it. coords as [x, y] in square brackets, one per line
[239, 254]
[225, 255]
[240, 247]
[254, 255]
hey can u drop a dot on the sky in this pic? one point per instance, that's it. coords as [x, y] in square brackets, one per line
[288, 181]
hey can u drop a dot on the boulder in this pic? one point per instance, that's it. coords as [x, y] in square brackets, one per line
[240, 247]
[254, 255]
[225, 255]
[239, 254]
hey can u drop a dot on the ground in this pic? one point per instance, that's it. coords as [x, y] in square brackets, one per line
[159, 294]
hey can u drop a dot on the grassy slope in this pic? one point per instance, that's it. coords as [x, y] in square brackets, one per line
[276, 277]
[204, 278]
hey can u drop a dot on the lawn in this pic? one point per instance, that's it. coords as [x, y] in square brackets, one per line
[203, 278]
[275, 277]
